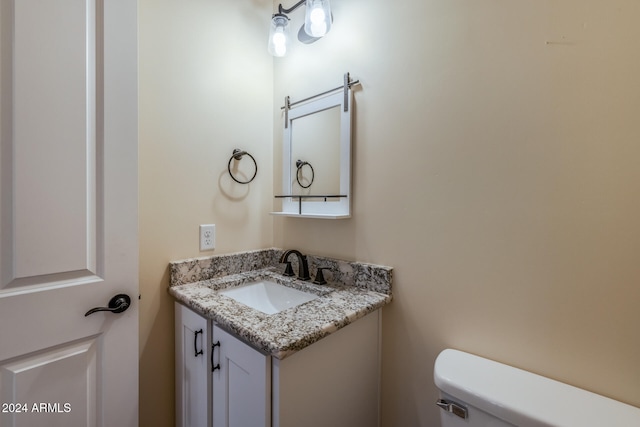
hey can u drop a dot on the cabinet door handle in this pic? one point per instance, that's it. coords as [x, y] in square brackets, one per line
[195, 343]
[214, 367]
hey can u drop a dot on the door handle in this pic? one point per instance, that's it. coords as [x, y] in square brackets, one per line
[117, 304]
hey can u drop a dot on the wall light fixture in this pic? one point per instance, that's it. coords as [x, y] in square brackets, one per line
[317, 23]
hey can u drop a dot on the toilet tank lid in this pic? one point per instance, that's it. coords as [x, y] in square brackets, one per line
[523, 398]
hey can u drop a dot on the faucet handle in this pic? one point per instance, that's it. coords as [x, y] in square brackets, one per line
[288, 270]
[319, 280]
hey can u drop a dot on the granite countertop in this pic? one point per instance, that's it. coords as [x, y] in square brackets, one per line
[353, 291]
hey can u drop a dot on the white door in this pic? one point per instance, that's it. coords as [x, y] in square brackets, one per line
[68, 212]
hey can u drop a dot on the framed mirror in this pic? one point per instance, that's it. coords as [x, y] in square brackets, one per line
[316, 176]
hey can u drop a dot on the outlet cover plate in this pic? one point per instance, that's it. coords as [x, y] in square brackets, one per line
[207, 237]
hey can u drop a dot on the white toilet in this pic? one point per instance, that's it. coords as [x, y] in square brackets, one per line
[477, 392]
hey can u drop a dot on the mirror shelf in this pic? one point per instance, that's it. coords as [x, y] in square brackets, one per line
[316, 214]
[311, 215]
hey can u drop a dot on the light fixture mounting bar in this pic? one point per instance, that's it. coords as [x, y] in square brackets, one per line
[291, 9]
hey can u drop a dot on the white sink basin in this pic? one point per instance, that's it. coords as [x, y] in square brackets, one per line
[268, 297]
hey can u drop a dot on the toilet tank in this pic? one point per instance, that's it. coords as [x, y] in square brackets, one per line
[478, 392]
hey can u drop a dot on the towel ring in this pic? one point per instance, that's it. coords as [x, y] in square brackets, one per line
[299, 165]
[237, 155]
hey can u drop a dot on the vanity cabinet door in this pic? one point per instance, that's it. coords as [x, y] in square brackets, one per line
[193, 379]
[241, 383]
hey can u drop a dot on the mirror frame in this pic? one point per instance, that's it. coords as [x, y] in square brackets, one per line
[334, 208]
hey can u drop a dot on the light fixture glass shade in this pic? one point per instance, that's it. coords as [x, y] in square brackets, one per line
[279, 35]
[317, 19]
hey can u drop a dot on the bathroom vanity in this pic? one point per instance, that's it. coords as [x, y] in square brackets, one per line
[314, 364]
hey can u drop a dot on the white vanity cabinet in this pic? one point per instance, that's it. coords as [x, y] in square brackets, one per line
[333, 382]
[220, 380]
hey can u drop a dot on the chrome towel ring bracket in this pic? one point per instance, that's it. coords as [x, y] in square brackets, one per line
[299, 165]
[237, 155]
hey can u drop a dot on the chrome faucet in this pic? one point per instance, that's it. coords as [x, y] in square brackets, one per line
[303, 267]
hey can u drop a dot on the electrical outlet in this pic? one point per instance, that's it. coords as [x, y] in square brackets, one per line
[207, 237]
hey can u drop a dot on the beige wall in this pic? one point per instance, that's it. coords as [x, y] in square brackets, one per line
[495, 168]
[205, 89]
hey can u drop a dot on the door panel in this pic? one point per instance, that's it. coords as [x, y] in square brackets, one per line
[29, 382]
[54, 141]
[68, 211]
[54, 189]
